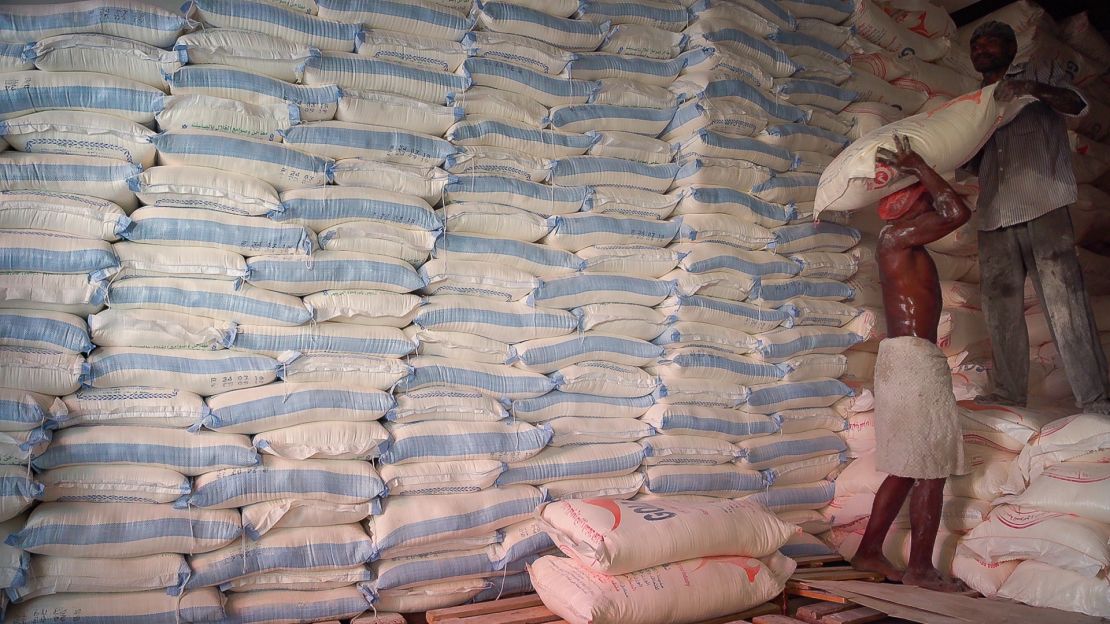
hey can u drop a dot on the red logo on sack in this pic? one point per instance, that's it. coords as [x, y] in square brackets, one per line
[750, 566]
[608, 505]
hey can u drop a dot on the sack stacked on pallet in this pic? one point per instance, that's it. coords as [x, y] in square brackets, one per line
[638, 562]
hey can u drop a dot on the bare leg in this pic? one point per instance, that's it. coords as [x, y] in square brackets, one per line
[925, 505]
[888, 502]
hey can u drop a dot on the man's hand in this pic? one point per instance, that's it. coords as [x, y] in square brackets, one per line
[1008, 90]
[904, 160]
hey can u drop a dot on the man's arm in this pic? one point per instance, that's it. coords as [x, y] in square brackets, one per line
[1061, 99]
[949, 209]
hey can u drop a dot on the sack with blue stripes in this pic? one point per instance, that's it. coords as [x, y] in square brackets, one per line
[36, 91]
[212, 298]
[570, 462]
[204, 187]
[744, 317]
[296, 550]
[773, 59]
[619, 488]
[621, 319]
[479, 279]
[569, 34]
[699, 199]
[738, 174]
[558, 404]
[690, 450]
[630, 146]
[256, 52]
[322, 31]
[368, 237]
[605, 379]
[18, 491]
[590, 170]
[460, 346]
[665, 15]
[812, 162]
[496, 380]
[518, 50]
[105, 54]
[695, 363]
[165, 572]
[820, 236]
[722, 115]
[730, 425]
[46, 371]
[718, 63]
[158, 328]
[324, 207]
[637, 260]
[198, 227]
[114, 484]
[450, 477]
[815, 93]
[726, 230]
[315, 103]
[547, 355]
[275, 406]
[577, 232]
[643, 40]
[364, 307]
[204, 605]
[776, 397]
[323, 338]
[721, 283]
[258, 601]
[623, 92]
[120, 18]
[503, 161]
[478, 101]
[721, 481]
[203, 372]
[282, 166]
[542, 199]
[140, 406]
[70, 293]
[332, 269]
[413, 521]
[815, 495]
[572, 291]
[80, 134]
[802, 137]
[805, 470]
[396, 111]
[788, 188]
[680, 334]
[355, 371]
[831, 11]
[345, 482]
[712, 256]
[51, 252]
[88, 175]
[823, 313]
[600, 66]
[65, 213]
[770, 451]
[629, 202]
[437, 566]
[415, 17]
[290, 513]
[337, 139]
[709, 144]
[355, 71]
[799, 44]
[807, 367]
[22, 410]
[434, 53]
[207, 112]
[427, 183]
[775, 292]
[520, 137]
[504, 321]
[585, 430]
[782, 344]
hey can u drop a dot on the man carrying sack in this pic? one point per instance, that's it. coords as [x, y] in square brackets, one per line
[917, 431]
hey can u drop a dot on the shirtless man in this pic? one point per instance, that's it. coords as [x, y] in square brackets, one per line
[917, 432]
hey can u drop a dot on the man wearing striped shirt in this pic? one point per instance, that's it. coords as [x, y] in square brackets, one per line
[1026, 183]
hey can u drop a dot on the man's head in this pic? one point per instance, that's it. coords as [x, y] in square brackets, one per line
[907, 203]
[993, 47]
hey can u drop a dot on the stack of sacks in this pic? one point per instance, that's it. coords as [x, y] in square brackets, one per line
[637, 562]
[1045, 543]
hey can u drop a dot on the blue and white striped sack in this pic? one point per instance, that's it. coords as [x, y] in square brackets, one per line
[591, 170]
[777, 397]
[18, 491]
[521, 540]
[353, 71]
[158, 328]
[815, 93]
[574, 431]
[166, 572]
[812, 162]
[773, 59]
[636, 260]
[542, 199]
[431, 52]
[726, 230]
[803, 44]
[141, 607]
[724, 115]
[47, 371]
[730, 425]
[503, 161]
[212, 298]
[39, 329]
[332, 269]
[622, 319]
[203, 372]
[193, 453]
[81, 134]
[773, 107]
[446, 403]
[575, 462]
[19, 448]
[547, 355]
[426, 183]
[577, 232]
[805, 470]
[709, 364]
[643, 40]
[558, 404]
[768, 10]
[619, 488]
[709, 144]
[606, 379]
[831, 11]
[316, 103]
[738, 174]
[299, 549]
[698, 199]
[205, 187]
[452, 477]
[812, 312]
[721, 283]
[323, 338]
[351, 370]
[35, 91]
[814, 495]
[338, 139]
[689, 450]
[624, 92]
[449, 566]
[274, 406]
[493, 103]
[601, 66]
[282, 166]
[630, 202]
[783, 344]
[808, 367]
[769, 451]
[774, 292]
[21, 410]
[712, 256]
[460, 346]
[572, 291]
[722, 481]
[496, 380]
[72, 293]
[105, 54]
[708, 15]
[88, 175]
[539, 260]
[263, 54]
[364, 307]
[120, 18]
[369, 237]
[140, 406]
[518, 50]
[668, 16]
[743, 317]
[719, 63]
[396, 111]
[343, 482]
[327, 206]
[114, 484]
[518, 583]
[321, 32]
[198, 227]
[544, 88]
[678, 334]
[507, 322]
[520, 137]
[410, 521]
[415, 17]
[289, 513]
[207, 112]
[51, 252]
[258, 606]
[631, 146]
[569, 34]
[478, 279]
[820, 236]
[12, 58]
[65, 213]
[801, 137]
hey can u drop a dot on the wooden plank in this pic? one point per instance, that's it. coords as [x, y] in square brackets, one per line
[776, 619]
[816, 561]
[835, 574]
[812, 614]
[763, 609]
[859, 615]
[818, 594]
[529, 615]
[484, 608]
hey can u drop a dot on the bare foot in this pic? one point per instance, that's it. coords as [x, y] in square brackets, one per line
[996, 399]
[877, 563]
[931, 578]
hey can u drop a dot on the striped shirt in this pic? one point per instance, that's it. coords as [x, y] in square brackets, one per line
[1025, 169]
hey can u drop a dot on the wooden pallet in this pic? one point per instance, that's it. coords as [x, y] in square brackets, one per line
[798, 586]
[529, 609]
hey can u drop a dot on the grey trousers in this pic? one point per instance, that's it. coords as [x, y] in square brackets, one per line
[1043, 248]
